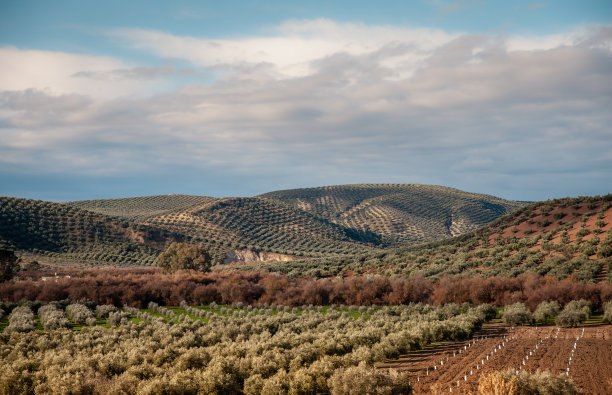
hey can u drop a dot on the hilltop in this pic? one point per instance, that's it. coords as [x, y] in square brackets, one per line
[561, 237]
[333, 221]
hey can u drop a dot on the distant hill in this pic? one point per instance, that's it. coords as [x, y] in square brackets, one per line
[139, 208]
[58, 231]
[331, 221]
[561, 237]
[399, 213]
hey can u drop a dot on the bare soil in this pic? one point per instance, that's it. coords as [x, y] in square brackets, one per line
[590, 367]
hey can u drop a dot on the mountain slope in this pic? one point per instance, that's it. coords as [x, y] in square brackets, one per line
[316, 222]
[399, 213]
[262, 225]
[67, 233]
[561, 237]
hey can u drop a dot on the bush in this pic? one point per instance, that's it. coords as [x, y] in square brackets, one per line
[180, 256]
[116, 317]
[487, 311]
[104, 310]
[79, 314]
[546, 311]
[539, 383]
[574, 313]
[607, 317]
[52, 318]
[358, 380]
[517, 314]
[21, 319]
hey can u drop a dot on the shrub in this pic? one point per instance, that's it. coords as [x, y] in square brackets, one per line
[546, 311]
[487, 311]
[52, 318]
[104, 310]
[607, 317]
[116, 317]
[79, 314]
[21, 319]
[539, 383]
[574, 313]
[517, 314]
[357, 380]
[184, 256]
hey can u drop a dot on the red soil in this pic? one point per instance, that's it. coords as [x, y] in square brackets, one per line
[590, 368]
[519, 230]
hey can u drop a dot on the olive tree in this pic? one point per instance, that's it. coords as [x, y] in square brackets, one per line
[184, 256]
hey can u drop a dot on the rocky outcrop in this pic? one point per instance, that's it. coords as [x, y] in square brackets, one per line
[256, 256]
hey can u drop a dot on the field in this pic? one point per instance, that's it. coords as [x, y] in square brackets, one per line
[219, 349]
[590, 364]
[273, 349]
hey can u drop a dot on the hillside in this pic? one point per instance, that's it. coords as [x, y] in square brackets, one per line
[400, 214]
[339, 221]
[139, 208]
[56, 231]
[231, 224]
[561, 237]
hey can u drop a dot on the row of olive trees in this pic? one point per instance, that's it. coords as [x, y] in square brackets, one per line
[318, 352]
[574, 313]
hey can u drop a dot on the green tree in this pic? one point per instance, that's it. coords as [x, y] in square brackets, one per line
[9, 264]
[184, 256]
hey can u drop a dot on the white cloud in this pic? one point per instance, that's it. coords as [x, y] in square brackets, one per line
[60, 73]
[321, 101]
[295, 45]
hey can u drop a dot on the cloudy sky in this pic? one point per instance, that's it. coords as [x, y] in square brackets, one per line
[236, 98]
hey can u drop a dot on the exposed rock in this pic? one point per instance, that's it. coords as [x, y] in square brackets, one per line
[256, 256]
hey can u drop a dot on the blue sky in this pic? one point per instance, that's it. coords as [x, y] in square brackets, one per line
[237, 98]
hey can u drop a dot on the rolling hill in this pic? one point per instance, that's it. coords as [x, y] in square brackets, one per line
[561, 237]
[399, 213]
[54, 231]
[336, 221]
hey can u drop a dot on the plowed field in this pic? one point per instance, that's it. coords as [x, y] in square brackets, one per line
[459, 365]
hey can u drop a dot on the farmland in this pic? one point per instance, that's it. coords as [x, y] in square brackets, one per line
[498, 347]
[269, 348]
[222, 349]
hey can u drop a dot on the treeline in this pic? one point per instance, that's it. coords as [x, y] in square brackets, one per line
[138, 288]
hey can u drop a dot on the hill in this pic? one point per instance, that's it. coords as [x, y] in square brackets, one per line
[399, 213]
[561, 237]
[56, 231]
[338, 221]
[139, 208]
[231, 225]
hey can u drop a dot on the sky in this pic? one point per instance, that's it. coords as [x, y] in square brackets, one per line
[236, 98]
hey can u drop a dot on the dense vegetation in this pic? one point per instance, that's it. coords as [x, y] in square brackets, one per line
[215, 349]
[138, 288]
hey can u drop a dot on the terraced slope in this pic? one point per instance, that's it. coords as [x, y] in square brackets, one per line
[262, 225]
[60, 232]
[562, 237]
[139, 208]
[400, 213]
